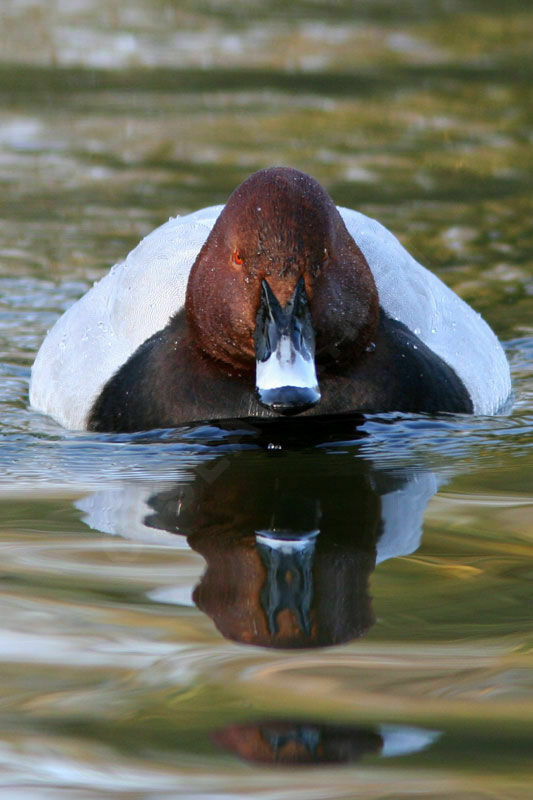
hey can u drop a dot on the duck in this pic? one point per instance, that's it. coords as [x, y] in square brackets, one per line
[278, 303]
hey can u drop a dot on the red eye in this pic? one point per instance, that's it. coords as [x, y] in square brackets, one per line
[237, 258]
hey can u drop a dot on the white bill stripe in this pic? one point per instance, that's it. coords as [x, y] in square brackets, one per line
[286, 367]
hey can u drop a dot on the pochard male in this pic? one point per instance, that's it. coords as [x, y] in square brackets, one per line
[277, 303]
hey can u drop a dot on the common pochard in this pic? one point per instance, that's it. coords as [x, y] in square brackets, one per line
[277, 303]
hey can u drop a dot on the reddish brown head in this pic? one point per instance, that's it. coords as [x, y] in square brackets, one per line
[281, 228]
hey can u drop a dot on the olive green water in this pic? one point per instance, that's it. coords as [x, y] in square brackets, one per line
[120, 679]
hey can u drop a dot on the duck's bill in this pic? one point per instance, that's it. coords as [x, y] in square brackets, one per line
[286, 379]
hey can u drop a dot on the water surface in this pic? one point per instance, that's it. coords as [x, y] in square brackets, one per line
[146, 587]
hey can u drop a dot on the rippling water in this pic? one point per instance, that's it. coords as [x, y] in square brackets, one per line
[233, 610]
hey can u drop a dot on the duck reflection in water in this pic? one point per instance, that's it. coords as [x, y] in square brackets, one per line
[282, 570]
[290, 537]
[290, 540]
[290, 533]
[284, 742]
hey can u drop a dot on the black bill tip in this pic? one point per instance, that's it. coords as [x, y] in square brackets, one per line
[289, 400]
